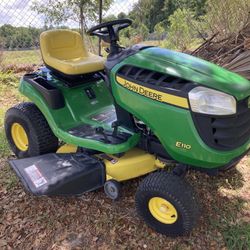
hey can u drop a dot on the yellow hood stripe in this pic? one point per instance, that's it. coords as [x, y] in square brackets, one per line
[153, 94]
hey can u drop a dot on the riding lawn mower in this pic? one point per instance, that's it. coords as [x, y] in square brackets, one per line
[95, 122]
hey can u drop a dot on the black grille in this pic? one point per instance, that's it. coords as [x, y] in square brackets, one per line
[225, 133]
[157, 79]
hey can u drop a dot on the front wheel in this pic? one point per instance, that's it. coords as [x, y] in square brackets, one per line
[167, 204]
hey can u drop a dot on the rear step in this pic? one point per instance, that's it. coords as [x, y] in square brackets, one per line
[60, 174]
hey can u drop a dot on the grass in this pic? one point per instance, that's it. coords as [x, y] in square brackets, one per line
[103, 224]
[21, 57]
[237, 236]
[4, 147]
[8, 79]
[235, 231]
[9, 179]
[8, 94]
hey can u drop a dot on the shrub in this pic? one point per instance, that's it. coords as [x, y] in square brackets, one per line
[8, 78]
[225, 17]
[182, 31]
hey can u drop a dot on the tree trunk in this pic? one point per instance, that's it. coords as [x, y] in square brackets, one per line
[81, 24]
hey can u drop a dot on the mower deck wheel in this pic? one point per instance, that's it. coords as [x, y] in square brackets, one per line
[28, 132]
[112, 189]
[167, 204]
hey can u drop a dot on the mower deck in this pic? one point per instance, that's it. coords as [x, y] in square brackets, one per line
[60, 174]
[74, 173]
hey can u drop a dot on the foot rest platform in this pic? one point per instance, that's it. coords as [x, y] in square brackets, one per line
[90, 132]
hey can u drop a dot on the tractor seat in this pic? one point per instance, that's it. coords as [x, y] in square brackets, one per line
[64, 51]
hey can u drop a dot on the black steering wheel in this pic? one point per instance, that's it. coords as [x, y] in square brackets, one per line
[109, 31]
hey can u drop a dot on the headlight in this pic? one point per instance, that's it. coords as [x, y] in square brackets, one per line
[212, 102]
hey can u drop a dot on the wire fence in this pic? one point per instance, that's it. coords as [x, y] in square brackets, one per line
[22, 21]
[180, 25]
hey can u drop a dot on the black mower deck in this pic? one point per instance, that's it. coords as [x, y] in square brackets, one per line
[60, 174]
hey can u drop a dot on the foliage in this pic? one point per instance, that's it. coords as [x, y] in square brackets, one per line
[109, 18]
[225, 17]
[19, 37]
[197, 6]
[56, 12]
[148, 12]
[159, 30]
[181, 32]
[121, 15]
[151, 12]
[1, 49]
[142, 31]
[7, 78]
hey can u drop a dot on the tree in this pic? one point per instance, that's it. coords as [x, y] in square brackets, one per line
[197, 6]
[56, 12]
[226, 17]
[151, 12]
[19, 37]
[121, 15]
[148, 12]
[159, 30]
[143, 31]
[181, 32]
[109, 18]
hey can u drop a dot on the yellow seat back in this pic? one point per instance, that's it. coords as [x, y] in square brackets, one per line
[62, 44]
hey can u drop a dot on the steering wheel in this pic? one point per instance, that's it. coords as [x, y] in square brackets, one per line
[109, 31]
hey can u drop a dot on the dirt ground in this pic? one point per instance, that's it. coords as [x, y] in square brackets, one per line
[93, 221]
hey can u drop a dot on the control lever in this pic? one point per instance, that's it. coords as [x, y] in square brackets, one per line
[100, 130]
[115, 126]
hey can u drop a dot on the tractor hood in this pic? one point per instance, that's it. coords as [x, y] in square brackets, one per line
[193, 69]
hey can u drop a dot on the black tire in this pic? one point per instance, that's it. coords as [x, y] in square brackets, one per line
[225, 169]
[178, 193]
[112, 189]
[41, 139]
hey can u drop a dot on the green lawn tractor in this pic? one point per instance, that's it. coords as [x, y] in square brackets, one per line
[95, 123]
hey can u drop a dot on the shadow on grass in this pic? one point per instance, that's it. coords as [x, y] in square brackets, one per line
[223, 208]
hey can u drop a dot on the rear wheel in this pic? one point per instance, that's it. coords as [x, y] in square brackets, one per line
[167, 204]
[28, 132]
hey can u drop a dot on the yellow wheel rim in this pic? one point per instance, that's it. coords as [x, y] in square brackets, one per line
[19, 136]
[162, 210]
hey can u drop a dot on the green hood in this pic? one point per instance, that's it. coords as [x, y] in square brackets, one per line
[193, 69]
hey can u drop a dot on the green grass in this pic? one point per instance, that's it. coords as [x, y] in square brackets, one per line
[8, 79]
[237, 237]
[4, 147]
[8, 178]
[235, 232]
[2, 112]
[8, 94]
[21, 57]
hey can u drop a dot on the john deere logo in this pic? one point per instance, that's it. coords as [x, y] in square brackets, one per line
[248, 103]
